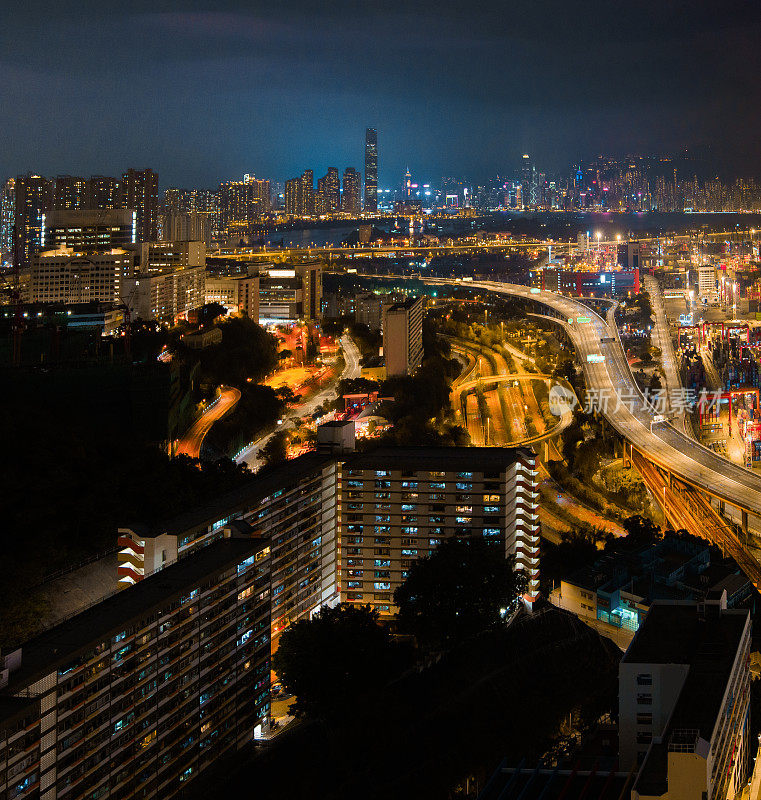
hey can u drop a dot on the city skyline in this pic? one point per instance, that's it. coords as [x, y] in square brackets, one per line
[454, 94]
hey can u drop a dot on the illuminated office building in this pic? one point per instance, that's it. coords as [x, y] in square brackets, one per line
[90, 229]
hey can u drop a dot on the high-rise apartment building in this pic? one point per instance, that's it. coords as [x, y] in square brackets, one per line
[291, 194]
[403, 336]
[191, 226]
[294, 508]
[34, 201]
[206, 201]
[69, 193]
[348, 526]
[102, 192]
[165, 296]
[329, 192]
[137, 695]
[307, 189]
[244, 201]
[7, 219]
[371, 170]
[684, 690]
[90, 229]
[398, 504]
[160, 256]
[140, 193]
[299, 195]
[351, 201]
[167, 282]
[176, 201]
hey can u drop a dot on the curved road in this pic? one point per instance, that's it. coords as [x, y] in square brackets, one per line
[190, 444]
[352, 369]
[609, 376]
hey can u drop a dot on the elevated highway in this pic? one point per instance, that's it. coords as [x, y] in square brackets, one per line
[610, 383]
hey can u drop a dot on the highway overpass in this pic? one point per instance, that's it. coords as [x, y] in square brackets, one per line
[607, 375]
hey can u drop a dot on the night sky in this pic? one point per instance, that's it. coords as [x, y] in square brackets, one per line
[204, 93]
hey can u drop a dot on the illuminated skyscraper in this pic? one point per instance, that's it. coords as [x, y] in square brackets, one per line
[371, 170]
[7, 214]
[140, 192]
[528, 183]
[351, 200]
[34, 200]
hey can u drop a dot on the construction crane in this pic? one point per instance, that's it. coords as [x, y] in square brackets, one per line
[125, 306]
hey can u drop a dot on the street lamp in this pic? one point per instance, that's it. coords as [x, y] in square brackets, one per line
[598, 234]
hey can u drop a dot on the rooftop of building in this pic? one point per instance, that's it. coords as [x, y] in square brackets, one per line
[65, 641]
[704, 638]
[569, 783]
[89, 254]
[89, 216]
[675, 568]
[450, 459]
[231, 502]
[404, 305]
[675, 633]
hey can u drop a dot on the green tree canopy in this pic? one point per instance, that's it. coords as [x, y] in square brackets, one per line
[457, 592]
[640, 531]
[330, 661]
[210, 311]
[275, 450]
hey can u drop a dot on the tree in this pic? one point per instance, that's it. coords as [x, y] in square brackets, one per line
[285, 395]
[275, 451]
[357, 386]
[332, 659]
[210, 312]
[640, 531]
[246, 351]
[457, 592]
[577, 548]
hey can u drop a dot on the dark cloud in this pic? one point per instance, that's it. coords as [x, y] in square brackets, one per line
[203, 93]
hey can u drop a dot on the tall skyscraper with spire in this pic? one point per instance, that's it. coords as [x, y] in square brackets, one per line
[371, 170]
